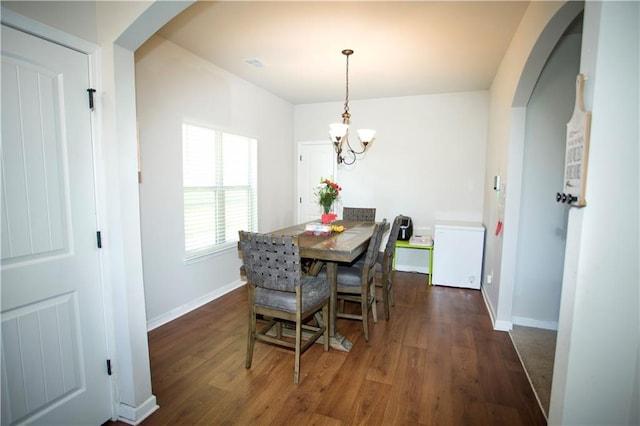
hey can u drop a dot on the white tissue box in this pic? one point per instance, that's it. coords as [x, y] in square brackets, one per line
[317, 229]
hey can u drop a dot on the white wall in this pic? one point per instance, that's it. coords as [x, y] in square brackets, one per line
[174, 85]
[596, 372]
[543, 221]
[427, 161]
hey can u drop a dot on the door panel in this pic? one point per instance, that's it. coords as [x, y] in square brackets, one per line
[315, 160]
[53, 326]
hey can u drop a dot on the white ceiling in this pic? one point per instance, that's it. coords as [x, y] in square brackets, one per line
[401, 48]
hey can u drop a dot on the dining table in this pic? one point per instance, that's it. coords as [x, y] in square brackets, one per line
[333, 248]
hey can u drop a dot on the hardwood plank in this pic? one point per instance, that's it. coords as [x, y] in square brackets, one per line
[369, 405]
[503, 415]
[222, 409]
[387, 338]
[470, 407]
[436, 401]
[277, 376]
[415, 333]
[403, 406]
[348, 380]
[314, 419]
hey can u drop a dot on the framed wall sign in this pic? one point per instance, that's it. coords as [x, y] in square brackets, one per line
[577, 151]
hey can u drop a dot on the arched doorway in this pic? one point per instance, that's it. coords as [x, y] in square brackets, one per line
[545, 101]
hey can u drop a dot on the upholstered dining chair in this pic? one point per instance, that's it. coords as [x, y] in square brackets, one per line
[282, 295]
[356, 282]
[384, 267]
[364, 214]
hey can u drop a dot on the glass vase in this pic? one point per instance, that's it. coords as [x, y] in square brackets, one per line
[327, 215]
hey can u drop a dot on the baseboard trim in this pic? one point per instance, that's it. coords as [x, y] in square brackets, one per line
[530, 322]
[503, 325]
[498, 325]
[135, 415]
[194, 304]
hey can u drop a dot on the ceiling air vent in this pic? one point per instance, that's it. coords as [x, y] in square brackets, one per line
[255, 62]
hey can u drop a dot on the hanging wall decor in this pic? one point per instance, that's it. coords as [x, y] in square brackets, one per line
[577, 152]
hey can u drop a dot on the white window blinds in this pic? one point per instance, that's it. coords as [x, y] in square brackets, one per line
[220, 189]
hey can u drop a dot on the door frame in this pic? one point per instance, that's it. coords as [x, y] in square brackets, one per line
[92, 51]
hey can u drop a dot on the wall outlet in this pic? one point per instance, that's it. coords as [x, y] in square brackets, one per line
[489, 278]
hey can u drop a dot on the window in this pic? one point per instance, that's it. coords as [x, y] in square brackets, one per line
[220, 189]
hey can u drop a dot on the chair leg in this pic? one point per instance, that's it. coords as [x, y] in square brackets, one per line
[390, 291]
[364, 303]
[385, 302]
[251, 335]
[296, 368]
[327, 322]
[385, 297]
[374, 307]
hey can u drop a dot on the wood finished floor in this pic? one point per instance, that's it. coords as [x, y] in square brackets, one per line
[437, 361]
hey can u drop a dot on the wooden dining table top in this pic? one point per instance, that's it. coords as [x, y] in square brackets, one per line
[343, 246]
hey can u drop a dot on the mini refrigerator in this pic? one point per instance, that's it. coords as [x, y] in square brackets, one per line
[458, 249]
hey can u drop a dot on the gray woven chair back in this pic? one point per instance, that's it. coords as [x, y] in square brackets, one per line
[363, 214]
[393, 236]
[271, 261]
[374, 244]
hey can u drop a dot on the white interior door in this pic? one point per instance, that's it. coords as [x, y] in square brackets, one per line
[54, 348]
[315, 160]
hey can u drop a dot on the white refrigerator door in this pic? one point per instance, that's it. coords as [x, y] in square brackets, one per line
[457, 254]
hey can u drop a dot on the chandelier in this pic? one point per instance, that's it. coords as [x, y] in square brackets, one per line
[339, 132]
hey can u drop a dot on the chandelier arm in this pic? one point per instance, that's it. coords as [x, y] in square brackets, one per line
[350, 148]
[344, 159]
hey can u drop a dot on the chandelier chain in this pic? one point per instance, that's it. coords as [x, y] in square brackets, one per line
[346, 96]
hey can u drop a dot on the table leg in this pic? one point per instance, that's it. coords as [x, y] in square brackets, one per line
[338, 341]
[332, 277]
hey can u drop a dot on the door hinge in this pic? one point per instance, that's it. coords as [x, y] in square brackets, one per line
[91, 92]
[300, 200]
[99, 239]
[109, 367]
[300, 157]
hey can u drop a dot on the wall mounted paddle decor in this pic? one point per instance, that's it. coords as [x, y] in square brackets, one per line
[577, 152]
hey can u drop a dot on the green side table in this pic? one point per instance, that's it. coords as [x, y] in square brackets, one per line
[405, 244]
